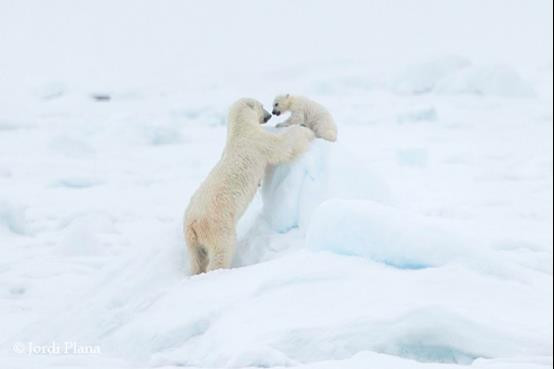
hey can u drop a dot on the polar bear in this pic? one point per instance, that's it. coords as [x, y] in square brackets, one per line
[307, 113]
[216, 207]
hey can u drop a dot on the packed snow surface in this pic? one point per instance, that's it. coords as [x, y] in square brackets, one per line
[422, 239]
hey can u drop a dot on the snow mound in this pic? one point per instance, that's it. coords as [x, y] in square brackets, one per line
[453, 75]
[13, 219]
[384, 235]
[72, 147]
[162, 135]
[76, 182]
[427, 335]
[51, 90]
[494, 80]
[418, 115]
[307, 308]
[5, 173]
[83, 235]
[412, 157]
[423, 77]
[292, 191]
[277, 221]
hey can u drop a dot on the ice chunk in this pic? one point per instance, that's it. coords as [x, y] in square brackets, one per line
[384, 235]
[494, 80]
[292, 191]
[351, 177]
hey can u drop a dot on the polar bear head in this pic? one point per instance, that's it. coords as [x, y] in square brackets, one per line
[282, 104]
[247, 110]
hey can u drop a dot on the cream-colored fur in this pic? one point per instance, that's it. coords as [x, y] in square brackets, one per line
[307, 113]
[221, 200]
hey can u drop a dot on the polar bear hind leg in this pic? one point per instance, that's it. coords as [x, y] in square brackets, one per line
[220, 252]
[210, 247]
[327, 133]
[197, 254]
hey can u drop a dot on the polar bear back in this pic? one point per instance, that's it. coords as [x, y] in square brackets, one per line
[316, 117]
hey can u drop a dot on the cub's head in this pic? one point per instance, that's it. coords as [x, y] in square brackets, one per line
[246, 109]
[282, 104]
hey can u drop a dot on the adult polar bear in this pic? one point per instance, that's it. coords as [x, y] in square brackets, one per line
[216, 207]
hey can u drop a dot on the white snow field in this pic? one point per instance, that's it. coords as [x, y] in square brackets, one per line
[422, 239]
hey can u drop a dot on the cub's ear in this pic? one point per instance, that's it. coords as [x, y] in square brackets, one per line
[251, 104]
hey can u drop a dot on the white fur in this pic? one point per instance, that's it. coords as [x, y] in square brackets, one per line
[307, 113]
[221, 200]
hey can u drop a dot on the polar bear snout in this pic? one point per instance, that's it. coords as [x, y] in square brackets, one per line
[267, 116]
[276, 112]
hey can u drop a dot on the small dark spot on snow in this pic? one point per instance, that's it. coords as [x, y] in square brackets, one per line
[101, 97]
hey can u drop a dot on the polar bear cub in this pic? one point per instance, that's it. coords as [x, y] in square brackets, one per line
[216, 207]
[307, 113]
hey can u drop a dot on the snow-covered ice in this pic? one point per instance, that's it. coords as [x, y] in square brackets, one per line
[495, 80]
[421, 239]
[385, 235]
[291, 192]
[423, 77]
